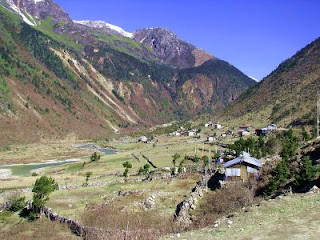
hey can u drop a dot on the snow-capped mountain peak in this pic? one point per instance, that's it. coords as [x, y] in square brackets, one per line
[106, 26]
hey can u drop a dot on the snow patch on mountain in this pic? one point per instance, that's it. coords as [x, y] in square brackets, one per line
[17, 10]
[253, 78]
[104, 25]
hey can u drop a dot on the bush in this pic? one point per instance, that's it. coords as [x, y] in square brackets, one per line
[126, 165]
[17, 203]
[305, 135]
[232, 197]
[145, 169]
[95, 157]
[88, 175]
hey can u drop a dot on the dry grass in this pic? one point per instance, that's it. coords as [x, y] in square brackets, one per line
[111, 223]
[232, 197]
[15, 228]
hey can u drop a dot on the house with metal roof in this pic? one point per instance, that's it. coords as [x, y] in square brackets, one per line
[242, 168]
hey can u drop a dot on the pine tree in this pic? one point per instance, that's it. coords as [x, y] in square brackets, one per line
[307, 171]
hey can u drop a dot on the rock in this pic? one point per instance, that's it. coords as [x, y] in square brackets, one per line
[229, 222]
[149, 203]
[216, 225]
[178, 235]
[314, 189]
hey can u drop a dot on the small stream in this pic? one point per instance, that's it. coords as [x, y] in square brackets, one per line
[24, 170]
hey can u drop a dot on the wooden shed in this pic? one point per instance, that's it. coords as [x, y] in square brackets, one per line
[242, 168]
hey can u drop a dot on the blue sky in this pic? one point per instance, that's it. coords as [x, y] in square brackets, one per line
[253, 35]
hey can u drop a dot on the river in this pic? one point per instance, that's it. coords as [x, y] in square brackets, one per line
[24, 170]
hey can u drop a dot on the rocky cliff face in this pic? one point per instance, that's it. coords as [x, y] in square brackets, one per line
[39, 9]
[170, 49]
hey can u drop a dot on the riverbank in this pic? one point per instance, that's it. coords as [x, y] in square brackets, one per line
[36, 153]
[23, 170]
[5, 174]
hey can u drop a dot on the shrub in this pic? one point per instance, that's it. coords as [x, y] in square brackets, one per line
[175, 157]
[232, 197]
[305, 135]
[88, 175]
[17, 203]
[95, 157]
[126, 165]
[145, 169]
[205, 160]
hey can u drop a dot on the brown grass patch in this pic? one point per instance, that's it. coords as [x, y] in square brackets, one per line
[231, 198]
[109, 223]
[41, 229]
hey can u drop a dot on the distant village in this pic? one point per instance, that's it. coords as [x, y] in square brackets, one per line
[242, 168]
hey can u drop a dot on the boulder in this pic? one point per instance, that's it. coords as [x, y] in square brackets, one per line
[149, 203]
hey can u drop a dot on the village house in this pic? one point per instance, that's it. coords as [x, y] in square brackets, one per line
[262, 131]
[192, 133]
[245, 127]
[229, 132]
[143, 139]
[244, 133]
[272, 127]
[208, 124]
[210, 138]
[216, 126]
[223, 135]
[176, 133]
[242, 168]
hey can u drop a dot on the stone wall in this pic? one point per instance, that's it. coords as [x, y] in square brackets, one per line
[74, 225]
[181, 214]
[5, 205]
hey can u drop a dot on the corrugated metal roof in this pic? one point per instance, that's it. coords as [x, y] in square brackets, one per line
[245, 157]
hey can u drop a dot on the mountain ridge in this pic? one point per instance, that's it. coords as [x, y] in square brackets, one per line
[287, 95]
[94, 83]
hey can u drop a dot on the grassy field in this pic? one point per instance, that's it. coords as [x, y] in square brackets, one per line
[289, 217]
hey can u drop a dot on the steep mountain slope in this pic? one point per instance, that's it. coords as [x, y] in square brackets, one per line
[288, 95]
[209, 87]
[170, 49]
[58, 77]
[34, 10]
